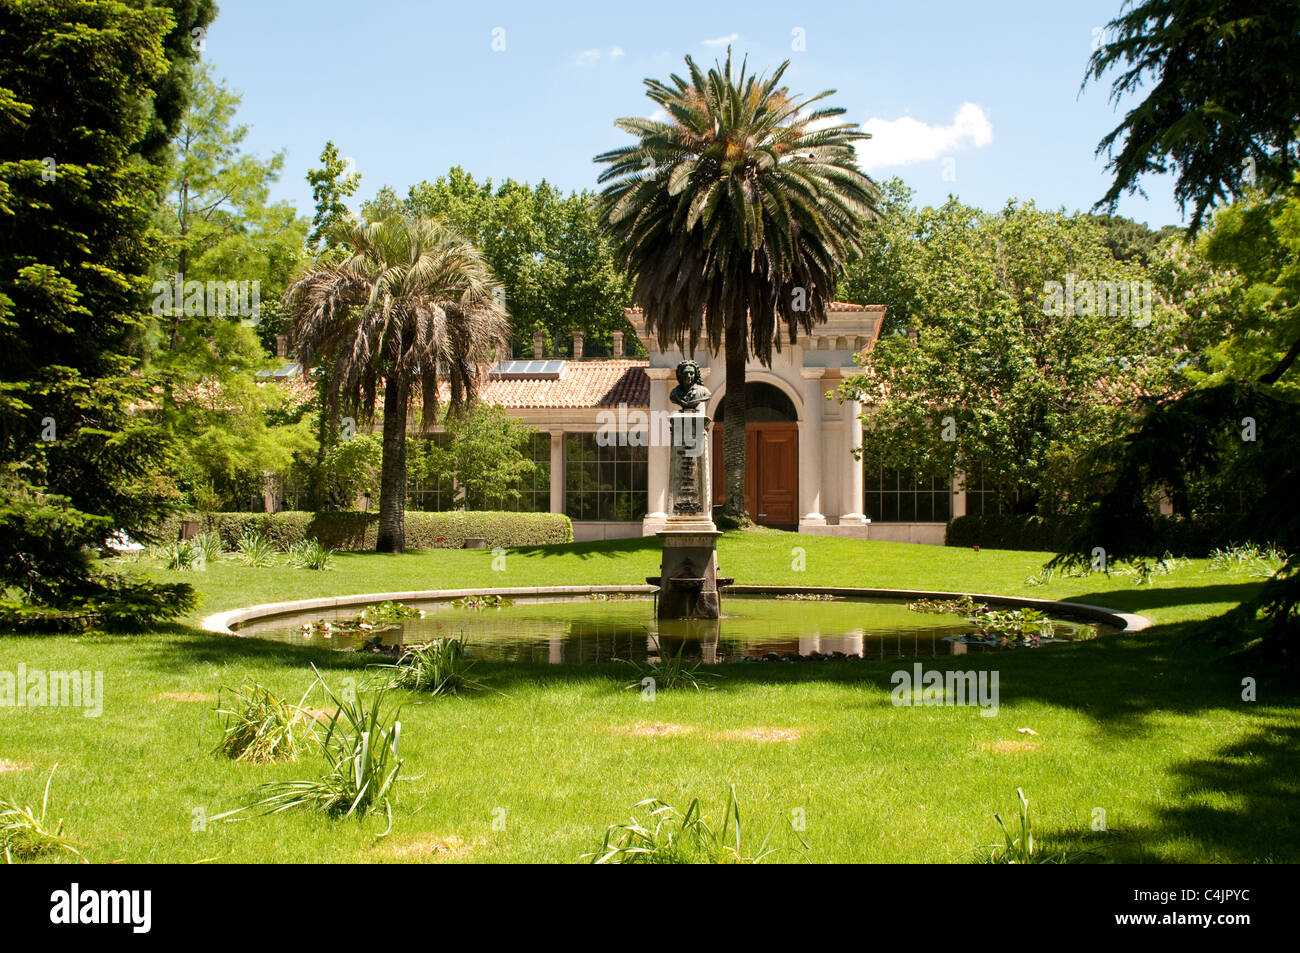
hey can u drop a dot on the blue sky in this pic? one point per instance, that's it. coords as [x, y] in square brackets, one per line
[977, 99]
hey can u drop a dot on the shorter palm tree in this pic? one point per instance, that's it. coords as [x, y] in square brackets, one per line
[412, 305]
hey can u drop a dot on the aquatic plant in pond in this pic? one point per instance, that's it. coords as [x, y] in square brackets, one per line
[665, 835]
[1003, 626]
[491, 601]
[370, 621]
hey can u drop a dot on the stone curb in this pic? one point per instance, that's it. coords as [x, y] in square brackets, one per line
[221, 622]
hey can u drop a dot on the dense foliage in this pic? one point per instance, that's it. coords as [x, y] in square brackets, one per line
[82, 164]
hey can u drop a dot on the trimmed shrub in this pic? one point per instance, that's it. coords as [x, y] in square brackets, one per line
[1181, 537]
[351, 531]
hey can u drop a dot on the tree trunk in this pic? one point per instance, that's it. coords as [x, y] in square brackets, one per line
[392, 478]
[733, 434]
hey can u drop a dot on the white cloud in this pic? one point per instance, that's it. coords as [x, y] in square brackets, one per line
[659, 115]
[589, 57]
[722, 40]
[906, 141]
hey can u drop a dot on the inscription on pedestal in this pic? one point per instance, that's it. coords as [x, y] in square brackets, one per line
[689, 475]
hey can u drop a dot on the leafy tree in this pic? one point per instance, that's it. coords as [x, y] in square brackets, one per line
[79, 183]
[485, 454]
[735, 218]
[558, 267]
[227, 249]
[1222, 103]
[413, 305]
[1223, 111]
[1133, 241]
[1014, 348]
[330, 185]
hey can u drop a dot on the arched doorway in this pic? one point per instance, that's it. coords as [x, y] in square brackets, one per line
[771, 456]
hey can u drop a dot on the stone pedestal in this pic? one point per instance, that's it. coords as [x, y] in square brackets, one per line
[688, 573]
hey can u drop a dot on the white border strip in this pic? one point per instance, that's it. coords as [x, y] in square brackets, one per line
[223, 622]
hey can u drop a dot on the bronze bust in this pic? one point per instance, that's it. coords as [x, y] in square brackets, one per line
[689, 392]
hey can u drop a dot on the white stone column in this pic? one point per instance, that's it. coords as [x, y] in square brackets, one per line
[557, 471]
[810, 449]
[657, 452]
[958, 494]
[850, 467]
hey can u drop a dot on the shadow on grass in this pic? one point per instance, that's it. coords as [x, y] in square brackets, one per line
[604, 548]
[1139, 598]
[1220, 807]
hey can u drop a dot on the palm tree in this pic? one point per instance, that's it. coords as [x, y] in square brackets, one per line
[412, 304]
[735, 217]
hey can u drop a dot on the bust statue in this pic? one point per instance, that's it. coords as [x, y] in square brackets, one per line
[689, 392]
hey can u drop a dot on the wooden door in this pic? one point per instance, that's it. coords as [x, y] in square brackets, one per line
[771, 472]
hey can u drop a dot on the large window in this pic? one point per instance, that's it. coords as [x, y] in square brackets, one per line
[535, 489]
[436, 493]
[983, 496]
[897, 496]
[603, 483]
[439, 493]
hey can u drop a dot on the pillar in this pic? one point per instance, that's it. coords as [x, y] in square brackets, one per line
[658, 439]
[958, 494]
[850, 467]
[557, 471]
[810, 449]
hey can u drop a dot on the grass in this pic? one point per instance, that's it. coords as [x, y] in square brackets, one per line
[1150, 728]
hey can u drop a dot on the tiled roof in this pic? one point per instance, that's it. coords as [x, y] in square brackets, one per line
[583, 384]
[833, 306]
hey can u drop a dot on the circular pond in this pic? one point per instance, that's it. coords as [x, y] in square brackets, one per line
[606, 627]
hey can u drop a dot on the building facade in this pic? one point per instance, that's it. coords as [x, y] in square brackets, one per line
[602, 448]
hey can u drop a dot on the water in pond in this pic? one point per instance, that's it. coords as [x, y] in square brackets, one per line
[599, 631]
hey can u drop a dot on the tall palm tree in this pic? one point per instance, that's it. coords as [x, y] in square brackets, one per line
[735, 217]
[412, 304]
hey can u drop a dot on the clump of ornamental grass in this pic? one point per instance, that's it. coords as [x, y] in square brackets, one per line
[440, 667]
[209, 545]
[360, 749]
[310, 554]
[669, 671]
[180, 556]
[1019, 848]
[261, 727]
[24, 835]
[659, 833]
[255, 550]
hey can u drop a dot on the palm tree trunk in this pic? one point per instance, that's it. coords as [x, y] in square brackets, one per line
[392, 477]
[733, 434]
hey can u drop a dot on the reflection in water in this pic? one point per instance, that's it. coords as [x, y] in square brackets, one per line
[753, 627]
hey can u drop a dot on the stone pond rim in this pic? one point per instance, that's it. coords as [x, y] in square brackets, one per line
[223, 622]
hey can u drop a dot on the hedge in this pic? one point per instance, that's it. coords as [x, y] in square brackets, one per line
[351, 531]
[1180, 536]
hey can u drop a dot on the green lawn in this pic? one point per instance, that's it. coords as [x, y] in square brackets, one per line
[1151, 728]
